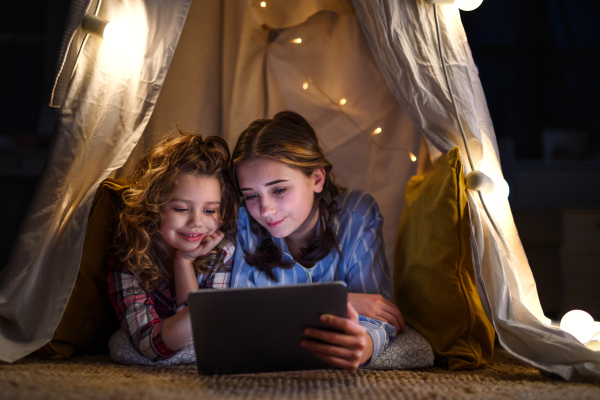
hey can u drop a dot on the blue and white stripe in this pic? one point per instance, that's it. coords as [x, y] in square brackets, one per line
[362, 266]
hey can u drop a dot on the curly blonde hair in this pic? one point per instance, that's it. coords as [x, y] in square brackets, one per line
[138, 242]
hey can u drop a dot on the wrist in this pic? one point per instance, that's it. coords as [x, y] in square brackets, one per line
[368, 353]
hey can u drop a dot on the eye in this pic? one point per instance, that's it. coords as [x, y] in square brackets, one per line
[210, 212]
[180, 210]
[250, 197]
[279, 190]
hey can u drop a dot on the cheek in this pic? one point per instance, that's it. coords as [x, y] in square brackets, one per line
[253, 209]
[169, 221]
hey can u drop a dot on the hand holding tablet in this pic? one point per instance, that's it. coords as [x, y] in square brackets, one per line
[260, 329]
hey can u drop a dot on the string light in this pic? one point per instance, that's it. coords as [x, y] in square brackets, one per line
[297, 40]
[263, 4]
[340, 103]
[579, 324]
[468, 5]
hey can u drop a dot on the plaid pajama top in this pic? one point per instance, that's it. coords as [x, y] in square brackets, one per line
[142, 313]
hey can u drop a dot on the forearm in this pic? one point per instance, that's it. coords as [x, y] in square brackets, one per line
[185, 279]
[177, 330]
[380, 333]
[368, 350]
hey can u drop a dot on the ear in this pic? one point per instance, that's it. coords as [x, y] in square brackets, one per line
[318, 178]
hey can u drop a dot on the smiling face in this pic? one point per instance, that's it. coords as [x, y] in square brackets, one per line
[191, 213]
[281, 198]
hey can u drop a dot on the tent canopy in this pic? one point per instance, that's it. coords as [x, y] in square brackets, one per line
[238, 61]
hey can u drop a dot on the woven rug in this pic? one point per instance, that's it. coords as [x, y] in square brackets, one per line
[97, 377]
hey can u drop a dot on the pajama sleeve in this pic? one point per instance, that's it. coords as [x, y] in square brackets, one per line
[368, 271]
[136, 312]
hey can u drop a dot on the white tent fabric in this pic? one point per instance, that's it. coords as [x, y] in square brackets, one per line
[266, 74]
[102, 116]
[236, 62]
[403, 38]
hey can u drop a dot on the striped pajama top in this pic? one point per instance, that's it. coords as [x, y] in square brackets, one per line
[362, 264]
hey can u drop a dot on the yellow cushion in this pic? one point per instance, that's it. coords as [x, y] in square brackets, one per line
[89, 318]
[434, 283]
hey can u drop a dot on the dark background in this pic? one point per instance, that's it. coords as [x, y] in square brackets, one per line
[539, 63]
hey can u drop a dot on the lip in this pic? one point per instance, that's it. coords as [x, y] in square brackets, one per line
[275, 224]
[196, 238]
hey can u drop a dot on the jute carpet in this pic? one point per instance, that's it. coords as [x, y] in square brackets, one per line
[97, 377]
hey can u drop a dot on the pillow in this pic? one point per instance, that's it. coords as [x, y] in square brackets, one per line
[434, 282]
[122, 351]
[406, 351]
[89, 318]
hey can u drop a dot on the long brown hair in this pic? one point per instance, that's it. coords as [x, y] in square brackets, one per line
[138, 242]
[290, 139]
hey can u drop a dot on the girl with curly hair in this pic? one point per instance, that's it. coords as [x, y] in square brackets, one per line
[298, 226]
[175, 235]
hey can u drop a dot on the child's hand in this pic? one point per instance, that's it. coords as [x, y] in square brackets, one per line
[347, 350]
[375, 306]
[207, 243]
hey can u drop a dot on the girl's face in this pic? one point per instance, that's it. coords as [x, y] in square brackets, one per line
[191, 213]
[280, 198]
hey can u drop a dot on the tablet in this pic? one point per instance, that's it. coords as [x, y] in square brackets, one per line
[250, 330]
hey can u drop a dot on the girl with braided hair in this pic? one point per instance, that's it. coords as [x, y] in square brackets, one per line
[175, 234]
[297, 225]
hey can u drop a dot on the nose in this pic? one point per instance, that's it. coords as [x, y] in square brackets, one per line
[195, 220]
[267, 207]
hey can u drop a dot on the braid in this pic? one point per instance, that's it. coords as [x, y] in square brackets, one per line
[319, 247]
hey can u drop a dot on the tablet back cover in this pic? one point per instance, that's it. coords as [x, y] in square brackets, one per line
[251, 330]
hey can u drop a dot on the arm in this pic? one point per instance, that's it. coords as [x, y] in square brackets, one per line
[137, 314]
[177, 330]
[369, 276]
[375, 306]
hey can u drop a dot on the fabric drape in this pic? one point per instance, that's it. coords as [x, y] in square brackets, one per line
[103, 114]
[249, 68]
[402, 36]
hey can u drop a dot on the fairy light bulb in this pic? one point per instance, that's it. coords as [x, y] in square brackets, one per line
[342, 102]
[305, 85]
[377, 131]
[413, 158]
[596, 330]
[263, 4]
[468, 5]
[579, 324]
[297, 40]
[501, 188]
[121, 36]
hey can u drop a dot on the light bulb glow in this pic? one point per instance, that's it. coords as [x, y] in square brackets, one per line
[413, 158]
[596, 330]
[263, 4]
[305, 85]
[342, 102]
[501, 188]
[468, 5]
[579, 324]
[297, 40]
[377, 131]
[123, 36]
